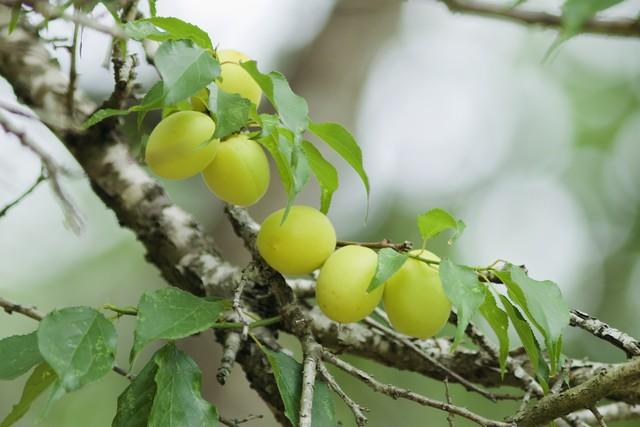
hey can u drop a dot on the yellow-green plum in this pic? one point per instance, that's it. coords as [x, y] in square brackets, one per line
[414, 298]
[341, 289]
[239, 173]
[180, 145]
[234, 78]
[199, 101]
[298, 245]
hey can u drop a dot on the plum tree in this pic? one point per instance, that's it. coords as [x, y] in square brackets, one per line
[239, 173]
[234, 79]
[181, 145]
[341, 290]
[298, 245]
[414, 298]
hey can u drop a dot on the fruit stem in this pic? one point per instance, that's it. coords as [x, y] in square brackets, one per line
[384, 243]
[239, 325]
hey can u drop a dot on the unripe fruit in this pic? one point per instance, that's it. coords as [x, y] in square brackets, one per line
[199, 101]
[341, 289]
[234, 78]
[299, 245]
[414, 298]
[177, 147]
[239, 173]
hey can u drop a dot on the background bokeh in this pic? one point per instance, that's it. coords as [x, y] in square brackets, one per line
[541, 158]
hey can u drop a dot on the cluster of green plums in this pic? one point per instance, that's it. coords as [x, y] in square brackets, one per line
[413, 297]
[181, 145]
[236, 170]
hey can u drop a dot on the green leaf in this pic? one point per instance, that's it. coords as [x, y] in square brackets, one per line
[153, 10]
[389, 261]
[288, 375]
[102, 114]
[112, 6]
[292, 109]
[18, 354]
[523, 330]
[435, 221]
[41, 378]
[269, 123]
[231, 110]
[79, 344]
[338, 138]
[85, 5]
[185, 69]
[175, 29]
[178, 401]
[173, 314]
[134, 404]
[465, 292]
[543, 304]
[325, 173]
[576, 12]
[499, 322]
[293, 152]
[153, 100]
[16, 10]
[272, 143]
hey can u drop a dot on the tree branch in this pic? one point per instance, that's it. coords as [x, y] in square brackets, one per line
[356, 408]
[54, 171]
[309, 369]
[50, 13]
[585, 395]
[21, 197]
[611, 412]
[397, 392]
[622, 27]
[598, 328]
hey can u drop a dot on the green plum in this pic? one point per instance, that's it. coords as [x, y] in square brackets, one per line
[299, 245]
[341, 289]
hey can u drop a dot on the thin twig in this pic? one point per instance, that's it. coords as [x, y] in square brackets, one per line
[356, 408]
[598, 416]
[382, 244]
[233, 340]
[448, 372]
[15, 108]
[448, 397]
[612, 412]
[397, 393]
[232, 343]
[235, 422]
[623, 27]
[121, 311]
[237, 305]
[598, 328]
[525, 400]
[124, 67]
[73, 72]
[72, 215]
[50, 13]
[41, 177]
[514, 366]
[311, 352]
[10, 308]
